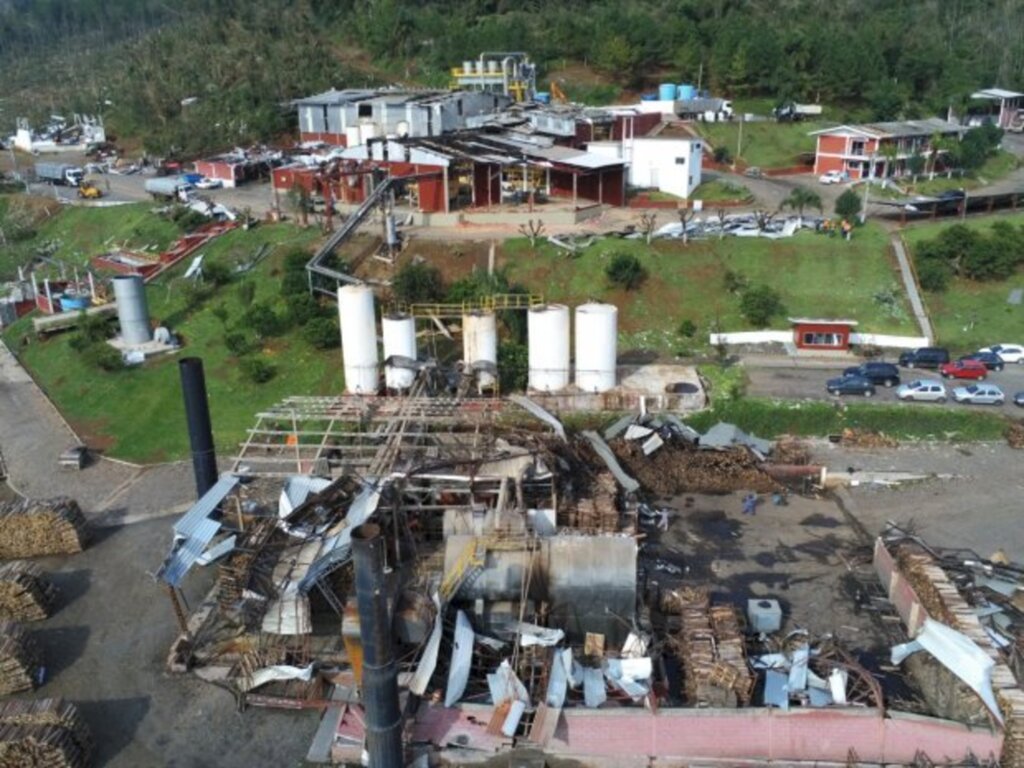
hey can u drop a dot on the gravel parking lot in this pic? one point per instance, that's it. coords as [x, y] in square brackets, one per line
[805, 380]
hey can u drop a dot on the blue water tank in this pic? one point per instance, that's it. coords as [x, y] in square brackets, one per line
[542, 97]
[667, 92]
[648, 97]
[687, 93]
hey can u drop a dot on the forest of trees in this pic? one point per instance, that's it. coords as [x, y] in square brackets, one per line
[135, 60]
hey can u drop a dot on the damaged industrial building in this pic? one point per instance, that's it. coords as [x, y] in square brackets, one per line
[451, 576]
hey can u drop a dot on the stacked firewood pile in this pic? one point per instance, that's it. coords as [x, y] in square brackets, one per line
[1015, 434]
[48, 733]
[924, 576]
[791, 450]
[1011, 702]
[21, 661]
[595, 511]
[25, 592]
[237, 573]
[679, 467]
[33, 527]
[710, 649]
[864, 438]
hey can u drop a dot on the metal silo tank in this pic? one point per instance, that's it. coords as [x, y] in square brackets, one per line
[132, 310]
[548, 330]
[597, 330]
[399, 331]
[480, 343]
[358, 339]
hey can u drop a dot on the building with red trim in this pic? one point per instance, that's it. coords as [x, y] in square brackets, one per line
[880, 150]
[813, 333]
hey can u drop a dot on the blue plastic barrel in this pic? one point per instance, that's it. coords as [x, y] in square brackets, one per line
[667, 92]
[687, 93]
[648, 97]
[542, 97]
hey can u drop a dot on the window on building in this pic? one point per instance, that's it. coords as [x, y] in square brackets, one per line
[857, 147]
[812, 339]
[696, 147]
[680, 161]
[366, 110]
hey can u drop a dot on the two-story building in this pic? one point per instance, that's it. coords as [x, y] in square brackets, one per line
[880, 150]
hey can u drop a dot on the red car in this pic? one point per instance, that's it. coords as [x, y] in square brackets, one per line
[964, 369]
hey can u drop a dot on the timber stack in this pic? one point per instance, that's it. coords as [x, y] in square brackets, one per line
[21, 662]
[25, 592]
[47, 732]
[35, 527]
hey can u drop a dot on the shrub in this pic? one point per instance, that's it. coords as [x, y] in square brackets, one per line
[303, 308]
[722, 155]
[246, 293]
[294, 283]
[513, 366]
[262, 320]
[626, 271]
[760, 304]
[103, 356]
[216, 272]
[848, 205]
[295, 260]
[238, 344]
[418, 283]
[735, 282]
[322, 333]
[687, 328]
[257, 370]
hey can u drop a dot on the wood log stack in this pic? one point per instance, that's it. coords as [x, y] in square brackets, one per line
[34, 527]
[596, 510]
[25, 592]
[21, 661]
[46, 732]
[681, 468]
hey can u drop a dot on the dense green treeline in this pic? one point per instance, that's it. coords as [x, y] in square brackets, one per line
[243, 59]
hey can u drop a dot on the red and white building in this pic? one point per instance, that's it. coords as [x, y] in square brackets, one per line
[880, 150]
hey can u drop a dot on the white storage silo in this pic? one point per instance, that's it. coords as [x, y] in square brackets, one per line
[132, 309]
[399, 331]
[480, 343]
[548, 334]
[358, 339]
[597, 329]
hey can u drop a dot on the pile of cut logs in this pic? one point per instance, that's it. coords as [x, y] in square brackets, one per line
[25, 592]
[46, 732]
[33, 527]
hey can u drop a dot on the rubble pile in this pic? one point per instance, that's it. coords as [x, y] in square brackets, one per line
[864, 438]
[711, 651]
[1015, 434]
[47, 732]
[681, 468]
[791, 450]
[25, 592]
[923, 575]
[596, 511]
[35, 527]
[20, 660]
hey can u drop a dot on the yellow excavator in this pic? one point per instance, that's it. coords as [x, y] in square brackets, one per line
[557, 94]
[88, 190]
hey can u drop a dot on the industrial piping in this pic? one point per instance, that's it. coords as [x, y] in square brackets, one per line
[197, 414]
[380, 674]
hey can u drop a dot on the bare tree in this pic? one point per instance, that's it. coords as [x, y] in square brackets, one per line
[720, 213]
[532, 230]
[763, 219]
[647, 222]
[686, 215]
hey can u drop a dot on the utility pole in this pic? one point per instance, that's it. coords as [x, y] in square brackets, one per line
[700, 77]
[739, 140]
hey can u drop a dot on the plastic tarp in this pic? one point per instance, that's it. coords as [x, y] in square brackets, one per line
[462, 658]
[959, 654]
[531, 634]
[270, 674]
[558, 678]
[594, 693]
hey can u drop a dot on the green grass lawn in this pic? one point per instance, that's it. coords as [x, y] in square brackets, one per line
[969, 314]
[137, 414]
[79, 233]
[816, 276]
[718, 189]
[995, 168]
[765, 144]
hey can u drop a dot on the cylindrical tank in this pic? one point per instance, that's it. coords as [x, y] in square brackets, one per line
[399, 331]
[132, 310]
[542, 97]
[667, 92]
[548, 330]
[597, 328]
[467, 67]
[391, 230]
[480, 343]
[687, 92]
[492, 66]
[358, 339]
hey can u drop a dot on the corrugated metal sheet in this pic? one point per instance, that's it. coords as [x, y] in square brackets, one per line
[203, 508]
[605, 453]
[462, 659]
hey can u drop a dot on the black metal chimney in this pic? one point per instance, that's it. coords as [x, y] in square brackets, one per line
[380, 674]
[200, 433]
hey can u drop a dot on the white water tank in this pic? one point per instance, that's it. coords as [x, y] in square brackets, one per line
[548, 331]
[597, 330]
[132, 309]
[399, 331]
[480, 343]
[358, 339]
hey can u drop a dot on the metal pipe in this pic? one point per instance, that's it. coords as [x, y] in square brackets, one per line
[380, 673]
[197, 415]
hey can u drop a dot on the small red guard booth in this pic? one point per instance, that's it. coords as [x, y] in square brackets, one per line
[809, 333]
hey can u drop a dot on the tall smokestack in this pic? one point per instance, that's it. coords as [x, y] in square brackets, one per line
[197, 414]
[380, 674]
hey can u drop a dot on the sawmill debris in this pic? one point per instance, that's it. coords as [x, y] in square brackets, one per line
[21, 661]
[44, 733]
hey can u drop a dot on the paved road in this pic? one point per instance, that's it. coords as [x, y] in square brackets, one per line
[806, 381]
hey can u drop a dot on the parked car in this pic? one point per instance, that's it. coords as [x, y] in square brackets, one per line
[753, 172]
[1010, 353]
[927, 390]
[1018, 399]
[205, 183]
[850, 385]
[925, 357]
[980, 394]
[886, 374]
[834, 177]
[964, 369]
[991, 360]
